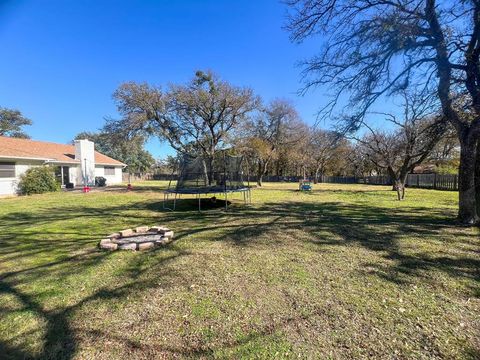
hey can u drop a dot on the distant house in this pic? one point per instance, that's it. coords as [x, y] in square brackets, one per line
[74, 164]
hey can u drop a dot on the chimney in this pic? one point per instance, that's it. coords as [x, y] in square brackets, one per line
[85, 153]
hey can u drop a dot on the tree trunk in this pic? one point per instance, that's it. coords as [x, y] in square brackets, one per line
[259, 174]
[259, 180]
[398, 181]
[477, 178]
[399, 185]
[205, 172]
[393, 178]
[316, 176]
[467, 212]
[402, 180]
[262, 170]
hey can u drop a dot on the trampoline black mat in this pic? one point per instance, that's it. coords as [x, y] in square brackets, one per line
[207, 190]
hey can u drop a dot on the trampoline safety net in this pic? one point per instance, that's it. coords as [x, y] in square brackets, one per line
[224, 173]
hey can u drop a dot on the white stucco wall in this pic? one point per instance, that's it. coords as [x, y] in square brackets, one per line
[9, 186]
[111, 179]
[73, 171]
[85, 153]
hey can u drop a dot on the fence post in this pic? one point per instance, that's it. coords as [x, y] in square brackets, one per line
[435, 181]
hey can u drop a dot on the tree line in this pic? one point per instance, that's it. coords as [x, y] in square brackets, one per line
[208, 114]
[424, 52]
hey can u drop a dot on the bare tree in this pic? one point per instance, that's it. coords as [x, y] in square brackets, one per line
[274, 127]
[411, 141]
[446, 153]
[374, 48]
[192, 118]
[322, 149]
[359, 162]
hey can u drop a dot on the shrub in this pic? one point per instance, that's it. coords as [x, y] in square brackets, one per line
[38, 180]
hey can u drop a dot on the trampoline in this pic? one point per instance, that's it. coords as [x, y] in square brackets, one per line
[223, 174]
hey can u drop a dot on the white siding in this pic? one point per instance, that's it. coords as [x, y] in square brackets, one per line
[111, 179]
[9, 186]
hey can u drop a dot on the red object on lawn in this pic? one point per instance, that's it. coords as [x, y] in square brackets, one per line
[129, 187]
[86, 189]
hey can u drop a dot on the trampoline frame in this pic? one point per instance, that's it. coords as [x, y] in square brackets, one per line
[247, 196]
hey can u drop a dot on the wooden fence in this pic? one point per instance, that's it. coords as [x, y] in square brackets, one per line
[424, 181]
[136, 177]
[433, 181]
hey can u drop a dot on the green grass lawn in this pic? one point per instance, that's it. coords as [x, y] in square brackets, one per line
[344, 272]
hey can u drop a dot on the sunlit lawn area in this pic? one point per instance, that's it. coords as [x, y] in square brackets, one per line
[342, 272]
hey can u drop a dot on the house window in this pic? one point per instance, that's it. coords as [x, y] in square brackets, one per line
[109, 170]
[7, 170]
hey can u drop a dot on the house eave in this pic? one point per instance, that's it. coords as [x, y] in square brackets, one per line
[59, 162]
[116, 165]
[6, 157]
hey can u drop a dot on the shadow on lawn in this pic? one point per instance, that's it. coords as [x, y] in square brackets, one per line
[59, 340]
[376, 229]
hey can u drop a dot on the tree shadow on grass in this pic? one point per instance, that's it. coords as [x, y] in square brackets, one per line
[377, 229]
[59, 339]
[372, 227]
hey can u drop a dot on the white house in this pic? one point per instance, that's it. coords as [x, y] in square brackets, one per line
[75, 164]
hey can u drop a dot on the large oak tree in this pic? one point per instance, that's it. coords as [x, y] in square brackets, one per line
[12, 123]
[194, 118]
[374, 48]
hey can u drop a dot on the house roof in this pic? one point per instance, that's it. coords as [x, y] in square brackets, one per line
[48, 151]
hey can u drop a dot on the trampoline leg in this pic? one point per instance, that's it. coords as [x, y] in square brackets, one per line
[226, 201]
[175, 202]
[166, 199]
[199, 203]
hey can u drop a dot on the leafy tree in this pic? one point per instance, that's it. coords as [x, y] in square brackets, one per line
[373, 49]
[12, 122]
[194, 118]
[167, 165]
[127, 149]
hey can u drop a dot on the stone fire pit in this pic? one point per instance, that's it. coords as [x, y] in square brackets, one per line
[142, 238]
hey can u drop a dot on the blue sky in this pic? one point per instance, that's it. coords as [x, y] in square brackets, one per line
[62, 60]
